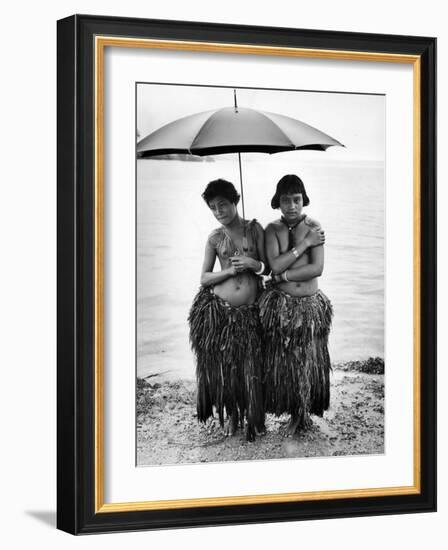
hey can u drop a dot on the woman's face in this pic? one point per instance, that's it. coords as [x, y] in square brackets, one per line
[223, 210]
[291, 205]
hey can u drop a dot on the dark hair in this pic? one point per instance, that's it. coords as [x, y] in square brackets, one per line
[289, 184]
[221, 188]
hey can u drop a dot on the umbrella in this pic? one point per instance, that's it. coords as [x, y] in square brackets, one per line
[234, 130]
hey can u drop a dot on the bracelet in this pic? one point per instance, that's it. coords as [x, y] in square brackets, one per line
[294, 251]
[262, 268]
[285, 277]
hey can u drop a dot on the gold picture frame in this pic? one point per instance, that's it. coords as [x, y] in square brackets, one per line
[81, 47]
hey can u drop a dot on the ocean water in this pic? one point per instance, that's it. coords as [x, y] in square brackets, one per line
[173, 223]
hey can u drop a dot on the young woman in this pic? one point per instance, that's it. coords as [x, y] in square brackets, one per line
[295, 315]
[225, 330]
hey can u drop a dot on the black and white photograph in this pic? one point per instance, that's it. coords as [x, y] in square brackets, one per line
[259, 273]
[222, 238]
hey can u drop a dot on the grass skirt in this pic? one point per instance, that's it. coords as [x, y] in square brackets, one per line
[297, 362]
[227, 341]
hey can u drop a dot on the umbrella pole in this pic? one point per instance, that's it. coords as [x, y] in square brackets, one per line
[245, 243]
[241, 185]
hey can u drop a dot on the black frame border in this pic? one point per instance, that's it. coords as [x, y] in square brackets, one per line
[76, 263]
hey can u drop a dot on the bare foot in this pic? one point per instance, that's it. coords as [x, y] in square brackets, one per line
[260, 430]
[231, 425]
[297, 424]
[250, 433]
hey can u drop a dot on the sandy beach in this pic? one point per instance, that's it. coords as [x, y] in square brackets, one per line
[168, 431]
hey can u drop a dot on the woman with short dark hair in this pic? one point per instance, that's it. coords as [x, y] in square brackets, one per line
[295, 315]
[225, 330]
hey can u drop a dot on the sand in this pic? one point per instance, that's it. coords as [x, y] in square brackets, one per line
[168, 431]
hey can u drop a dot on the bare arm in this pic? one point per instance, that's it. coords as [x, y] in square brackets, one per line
[280, 262]
[310, 271]
[208, 277]
[261, 248]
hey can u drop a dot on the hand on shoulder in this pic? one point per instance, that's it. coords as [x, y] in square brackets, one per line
[315, 235]
[312, 223]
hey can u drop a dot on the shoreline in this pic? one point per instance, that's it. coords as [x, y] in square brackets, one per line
[168, 431]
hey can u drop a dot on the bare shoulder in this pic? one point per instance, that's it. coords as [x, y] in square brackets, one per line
[312, 223]
[214, 237]
[274, 227]
[257, 226]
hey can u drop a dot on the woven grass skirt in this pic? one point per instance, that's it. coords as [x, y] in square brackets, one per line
[296, 359]
[227, 343]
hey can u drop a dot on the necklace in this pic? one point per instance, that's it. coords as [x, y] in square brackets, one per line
[245, 244]
[291, 228]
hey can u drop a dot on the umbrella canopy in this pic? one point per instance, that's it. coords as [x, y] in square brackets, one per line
[234, 130]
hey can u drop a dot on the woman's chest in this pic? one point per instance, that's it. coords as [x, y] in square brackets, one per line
[291, 237]
[234, 245]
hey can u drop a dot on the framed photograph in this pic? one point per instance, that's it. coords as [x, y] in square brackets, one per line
[246, 274]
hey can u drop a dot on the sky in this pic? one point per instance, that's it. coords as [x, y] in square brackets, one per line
[356, 120]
